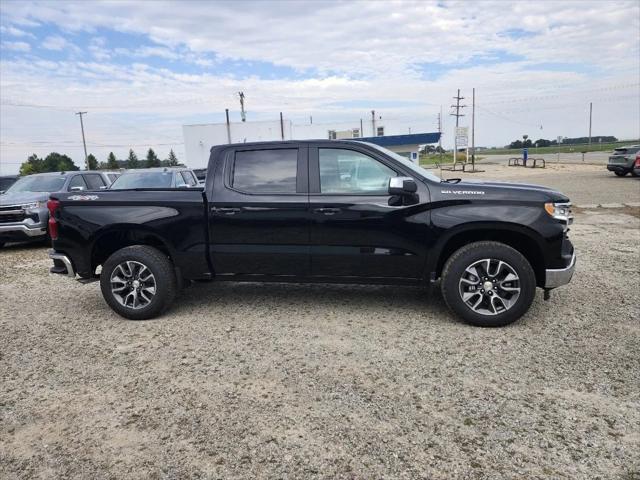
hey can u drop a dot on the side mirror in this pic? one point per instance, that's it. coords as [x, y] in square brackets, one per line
[77, 189]
[402, 186]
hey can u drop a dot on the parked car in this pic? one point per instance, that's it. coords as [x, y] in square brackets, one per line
[163, 177]
[636, 166]
[6, 181]
[622, 160]
[23, 209]
[284, 211]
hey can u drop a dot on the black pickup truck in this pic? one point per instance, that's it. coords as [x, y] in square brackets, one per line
[319, 211]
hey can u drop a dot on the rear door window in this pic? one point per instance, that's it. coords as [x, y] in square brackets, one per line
[95, 181]
[189, 179]
[265, 171]
[77, 181]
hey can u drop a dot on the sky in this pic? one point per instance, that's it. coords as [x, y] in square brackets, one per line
[142, 69]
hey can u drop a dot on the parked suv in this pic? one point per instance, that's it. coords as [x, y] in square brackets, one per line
[166, 177]
[622, 160]
[23, 207]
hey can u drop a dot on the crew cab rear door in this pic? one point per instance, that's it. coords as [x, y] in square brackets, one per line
[258, 211]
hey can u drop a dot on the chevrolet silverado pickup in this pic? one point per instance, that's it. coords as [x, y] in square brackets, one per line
[339, 211]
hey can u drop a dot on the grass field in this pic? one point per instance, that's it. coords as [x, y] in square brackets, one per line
[594, 147]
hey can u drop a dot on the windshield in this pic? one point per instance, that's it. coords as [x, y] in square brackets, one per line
[142, 180]
[45, 183]
[6, 183]
[407, 163]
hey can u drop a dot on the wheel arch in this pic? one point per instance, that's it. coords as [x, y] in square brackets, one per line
[522, 239]
[113, 239]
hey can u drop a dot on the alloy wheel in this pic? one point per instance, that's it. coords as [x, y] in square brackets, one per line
[132, 284]
[489, 286]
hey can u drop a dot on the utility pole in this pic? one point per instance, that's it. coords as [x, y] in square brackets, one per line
[226, 112]
[361, 131]
[373, 123]
[84, 143]
[281, 127]
[242, 113]
[440, 132]
[473, 129]
[457, 106]
[590, 112]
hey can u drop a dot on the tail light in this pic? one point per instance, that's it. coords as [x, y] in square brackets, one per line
[53, 206]
[637, 162]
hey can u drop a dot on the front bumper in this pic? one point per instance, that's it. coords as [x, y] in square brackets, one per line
[556, 277]
[21, 230]
[61, 264]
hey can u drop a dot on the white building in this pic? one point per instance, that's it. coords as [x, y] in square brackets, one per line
[399, 136]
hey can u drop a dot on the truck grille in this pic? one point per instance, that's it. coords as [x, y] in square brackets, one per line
[13, 217]
[11, 213]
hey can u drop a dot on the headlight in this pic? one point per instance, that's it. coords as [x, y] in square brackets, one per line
[29, 206]
[560, 211]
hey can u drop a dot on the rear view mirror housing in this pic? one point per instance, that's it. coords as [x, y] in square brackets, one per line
[402, 186]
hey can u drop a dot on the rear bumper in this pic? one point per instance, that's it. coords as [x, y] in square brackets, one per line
[60, 258]
[618, 168]
[556, 277]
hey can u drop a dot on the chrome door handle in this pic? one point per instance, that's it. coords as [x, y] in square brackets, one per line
[327, 211]
[225, 210]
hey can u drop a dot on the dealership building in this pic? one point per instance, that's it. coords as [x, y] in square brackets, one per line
[399, 136]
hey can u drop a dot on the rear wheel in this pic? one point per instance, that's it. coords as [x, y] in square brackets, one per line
[138, 282]
[488, 284]
[620, 174]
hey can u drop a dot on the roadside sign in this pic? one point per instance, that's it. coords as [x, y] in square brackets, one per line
[462, 136]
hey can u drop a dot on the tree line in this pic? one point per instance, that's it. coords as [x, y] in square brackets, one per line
[542, 142]
[56, 162]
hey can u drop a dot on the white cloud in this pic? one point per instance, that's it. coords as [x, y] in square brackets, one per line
[16, 46]
[364, 51]
[14, 31]
[54, 43]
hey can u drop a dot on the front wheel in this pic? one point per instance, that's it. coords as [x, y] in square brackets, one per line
[138, 282]
[488, 284]
[620, 174]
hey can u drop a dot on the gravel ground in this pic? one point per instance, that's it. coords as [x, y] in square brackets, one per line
[324, 381]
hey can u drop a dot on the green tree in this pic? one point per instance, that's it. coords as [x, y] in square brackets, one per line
[32, 165]
[56, 162]
[132, 160]
[92, 162]
[112, 162]
[172, 161]
[152, 159]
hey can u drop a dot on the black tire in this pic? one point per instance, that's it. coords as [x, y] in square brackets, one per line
[464, 257]
[620, 174]
[164, 279]
[1, 244]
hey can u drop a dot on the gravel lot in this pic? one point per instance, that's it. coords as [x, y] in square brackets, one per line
[324, 381]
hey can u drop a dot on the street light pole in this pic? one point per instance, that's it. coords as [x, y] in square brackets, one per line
[84, 143]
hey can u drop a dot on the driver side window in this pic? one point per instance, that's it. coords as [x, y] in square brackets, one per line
[349, 172]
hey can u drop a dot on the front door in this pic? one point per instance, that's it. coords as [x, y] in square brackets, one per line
[258, 213]
[355, 231]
